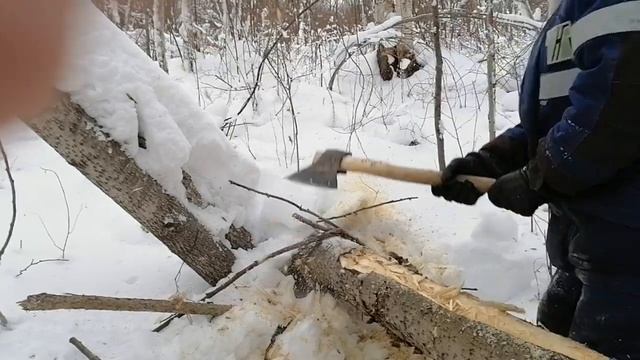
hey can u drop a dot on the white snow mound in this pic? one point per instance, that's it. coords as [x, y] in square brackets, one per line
[130, 96]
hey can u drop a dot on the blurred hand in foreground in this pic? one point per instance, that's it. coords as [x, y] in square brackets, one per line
[32, 47]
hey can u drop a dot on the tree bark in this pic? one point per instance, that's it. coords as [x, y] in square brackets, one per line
[127, 15]
[441, 322]
[76, 136]
[405, 8]
[48, 302]
[437, 93]
[382, 10]
[188, 35]
[158, 32]
[491, 71]
[114, 12]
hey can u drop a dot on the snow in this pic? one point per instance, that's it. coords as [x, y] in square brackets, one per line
[374, 34]
[404, 63]
[128, 95]
[500, 254]
[521, 19]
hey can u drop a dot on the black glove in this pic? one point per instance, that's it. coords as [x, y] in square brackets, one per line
[513, 192]
[475, 163]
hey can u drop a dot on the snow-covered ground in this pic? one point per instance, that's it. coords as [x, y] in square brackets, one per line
[500, 254]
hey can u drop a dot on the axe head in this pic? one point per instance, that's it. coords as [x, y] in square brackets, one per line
[324, 170]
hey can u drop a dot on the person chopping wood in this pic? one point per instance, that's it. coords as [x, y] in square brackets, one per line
[577, 149]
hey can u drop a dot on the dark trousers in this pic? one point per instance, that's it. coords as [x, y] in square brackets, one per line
[590, 301]
[603, 317]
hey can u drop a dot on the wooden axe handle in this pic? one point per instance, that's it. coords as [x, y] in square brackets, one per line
[419, 176]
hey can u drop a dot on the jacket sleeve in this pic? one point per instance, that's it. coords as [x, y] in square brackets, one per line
[599, 134]
[509, 150]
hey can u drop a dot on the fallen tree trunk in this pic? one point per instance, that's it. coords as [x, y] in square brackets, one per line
[77, 137]
[442, 322]
[48, 302]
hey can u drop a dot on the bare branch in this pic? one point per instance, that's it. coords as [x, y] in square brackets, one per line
[319, 227]
[83, 349]
[70, 226]
[313, 239]
[310, 223]
[34, 263]
[46, 302]
[279, 331]
[13, 200]
[356, 212]
[299, 207]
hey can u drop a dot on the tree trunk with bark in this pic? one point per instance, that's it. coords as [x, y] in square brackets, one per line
[114, 12]
[187, 31]
[158, 32]
[382, 10]
[404, 8]
[442, 322]
[437, 93]
[491, 71]
[127, 15]
[76, 136]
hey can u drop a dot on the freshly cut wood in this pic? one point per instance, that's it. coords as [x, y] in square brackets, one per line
[77, 137]
[444, 323]
[47, 302]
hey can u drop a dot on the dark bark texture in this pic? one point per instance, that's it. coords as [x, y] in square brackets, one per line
[412, 317]
[76, 136]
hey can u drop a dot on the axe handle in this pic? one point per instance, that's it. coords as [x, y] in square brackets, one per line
[419, 176]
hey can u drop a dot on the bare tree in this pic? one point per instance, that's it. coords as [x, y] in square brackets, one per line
[13, 200]
[114, 11]
[437, 94]
[187, 31]
[382, 9]
[158, 32]
[524, 8]
[127, 15]
[491, 71]
[405, 8]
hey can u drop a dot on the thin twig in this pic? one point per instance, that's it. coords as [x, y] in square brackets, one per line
[83, 349]
[372, 207]
[63, 249]
[279, 331]
[310, 240]
[344, 234]
[310, 223]
[13, 200]
[316, 238]
[34, 263]
[299, 207]
[176, 278]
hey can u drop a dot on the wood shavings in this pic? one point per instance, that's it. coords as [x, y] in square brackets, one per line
[464, 304]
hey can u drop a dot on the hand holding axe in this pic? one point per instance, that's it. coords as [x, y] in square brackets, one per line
[326, 166]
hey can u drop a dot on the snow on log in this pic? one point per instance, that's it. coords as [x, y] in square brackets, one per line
[75, 136]
[144, 141]
[442, 322]
[156, 121]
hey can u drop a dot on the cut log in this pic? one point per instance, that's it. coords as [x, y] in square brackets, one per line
[76, 136]
[442, 322]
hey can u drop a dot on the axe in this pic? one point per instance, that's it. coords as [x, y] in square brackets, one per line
[327, 165]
